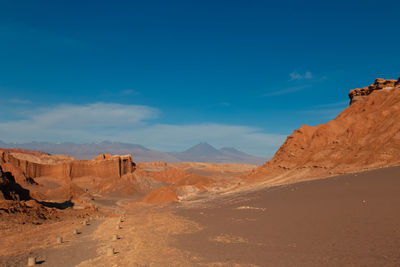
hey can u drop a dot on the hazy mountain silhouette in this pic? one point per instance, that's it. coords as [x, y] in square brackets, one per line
[205, 152]
[202, 149]
[202, 152]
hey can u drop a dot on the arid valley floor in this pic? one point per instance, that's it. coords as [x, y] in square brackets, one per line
[347, 220]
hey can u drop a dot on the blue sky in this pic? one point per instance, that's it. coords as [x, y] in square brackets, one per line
[170, 74]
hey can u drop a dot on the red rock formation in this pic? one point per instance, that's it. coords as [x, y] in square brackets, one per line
[379, 84]
[365, 135]
[104, 166]
[60, 178]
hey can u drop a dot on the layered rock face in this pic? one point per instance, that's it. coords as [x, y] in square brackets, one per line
[365, 135]
[60, 178]
[104, 166]
[379, 84]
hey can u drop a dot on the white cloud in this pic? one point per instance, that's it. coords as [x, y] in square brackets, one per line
[75, 122]
[298, 76]
[131, 123]
[328, 110]
[93, 115]
[285, 91]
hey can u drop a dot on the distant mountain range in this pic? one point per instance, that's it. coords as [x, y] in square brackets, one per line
[202, 152]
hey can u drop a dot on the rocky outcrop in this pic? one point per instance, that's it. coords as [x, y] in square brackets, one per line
[379, 84]
[104, 166]
[10, 189]
[366, 135]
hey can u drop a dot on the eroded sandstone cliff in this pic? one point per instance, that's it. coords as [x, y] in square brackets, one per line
[62, 178]
[103, 166]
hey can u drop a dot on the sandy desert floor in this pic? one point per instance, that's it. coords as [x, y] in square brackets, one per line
[348, 220]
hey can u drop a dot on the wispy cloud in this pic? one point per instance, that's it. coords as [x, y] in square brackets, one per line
[75, 121]
[298, 81]
[285, 90]
[306, 76]
[328, 110]
[333, 105]
[298, 76]
[133, 124]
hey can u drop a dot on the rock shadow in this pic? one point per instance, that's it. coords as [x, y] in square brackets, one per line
[10, 189]
[58, 205]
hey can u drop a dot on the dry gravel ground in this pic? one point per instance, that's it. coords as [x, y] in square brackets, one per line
[349, 220]
[40, 242]
[145, 237]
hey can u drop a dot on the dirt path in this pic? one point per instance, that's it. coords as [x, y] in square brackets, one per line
[21, 241]
[144, 239]
[73, 250]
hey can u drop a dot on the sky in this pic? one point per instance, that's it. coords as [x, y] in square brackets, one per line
[170, 74]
